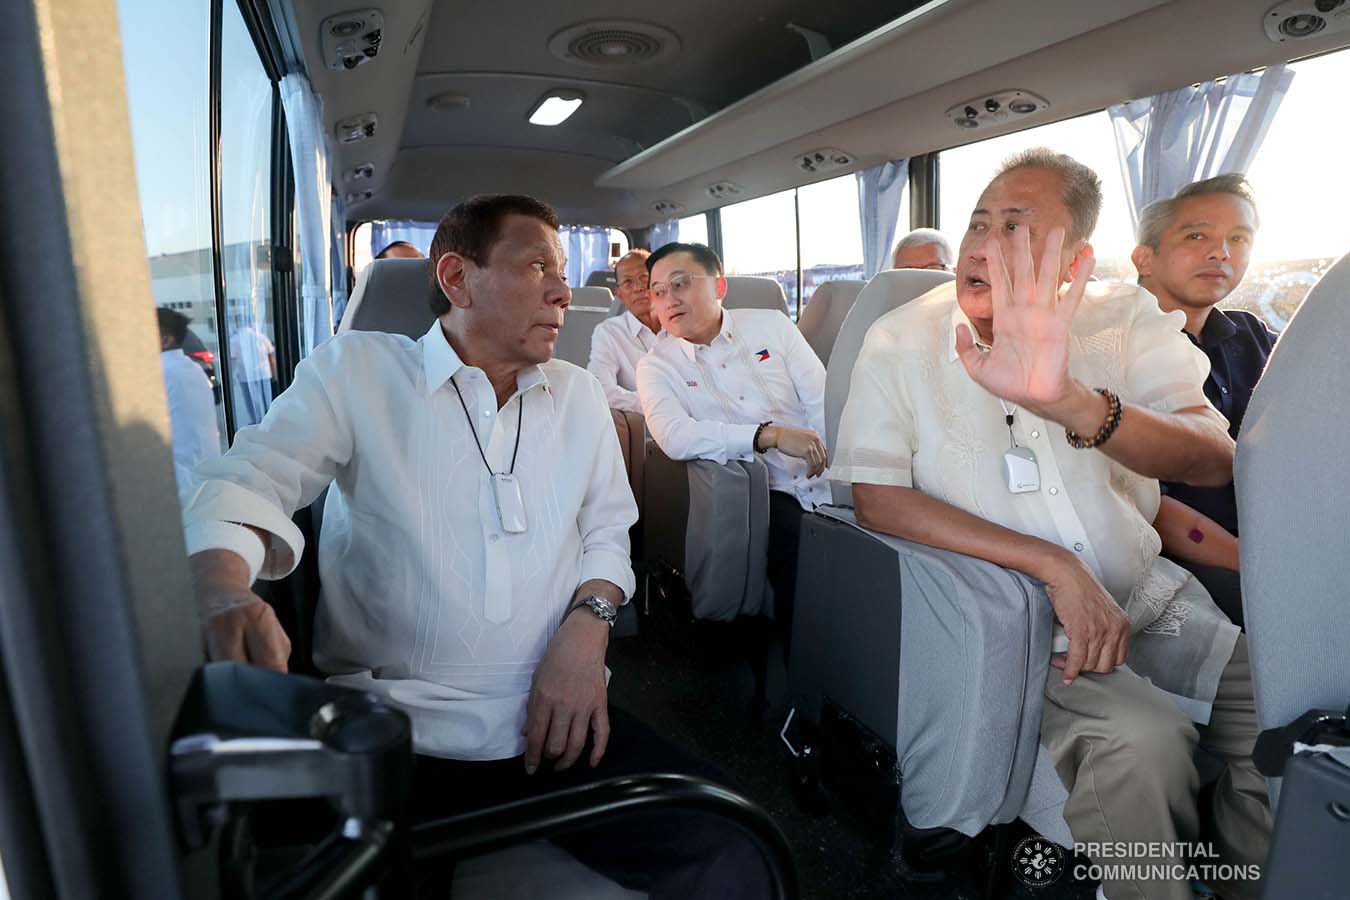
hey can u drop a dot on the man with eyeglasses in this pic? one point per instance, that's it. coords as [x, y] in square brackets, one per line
[923, 248]
[619, 342]
[725, 384]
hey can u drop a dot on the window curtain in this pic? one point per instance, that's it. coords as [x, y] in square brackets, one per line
[587, 249]
[879, 193]
[384, 233]
[338, 258]
[313, 208]
[1166, 141]
[663, 233]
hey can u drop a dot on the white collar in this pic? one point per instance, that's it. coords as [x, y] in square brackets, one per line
[440, 362]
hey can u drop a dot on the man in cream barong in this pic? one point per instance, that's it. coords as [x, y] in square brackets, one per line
[1023, 416]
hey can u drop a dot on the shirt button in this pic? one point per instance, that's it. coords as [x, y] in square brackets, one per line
[724, 365]
[1054, 491]
[493, 538]
[1078, 547]
[1035, 434]
[487, 412]
[742, 396]
[1224, 389]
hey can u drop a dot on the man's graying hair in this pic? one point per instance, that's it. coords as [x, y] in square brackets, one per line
[1158, 215]
[1082, 187]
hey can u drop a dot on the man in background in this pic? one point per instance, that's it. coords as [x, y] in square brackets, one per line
[192, 403]
[923, 248]
[619, 342]
[399, 250]
[1193, 250]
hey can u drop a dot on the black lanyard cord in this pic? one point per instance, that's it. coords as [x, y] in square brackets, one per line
[520, 419]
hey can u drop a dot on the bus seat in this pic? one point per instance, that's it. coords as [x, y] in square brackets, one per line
[590, 307]
[603, 278]
[1292, 515]
[888, 290]
[616, 307]
[390, 295]
[709, 524]
[754, 292]
[853, 663]
[823, 316]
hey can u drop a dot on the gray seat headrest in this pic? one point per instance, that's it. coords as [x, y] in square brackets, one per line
[391, 295]
[824, 314]
[754, 292]
[889, 290]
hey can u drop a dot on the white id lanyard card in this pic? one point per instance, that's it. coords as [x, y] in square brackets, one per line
[1021, 471]
[510, 504]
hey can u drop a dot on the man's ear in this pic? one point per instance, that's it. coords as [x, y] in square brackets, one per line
[1083, 255]
[452, 276]
[1142, 257]
[721, 287]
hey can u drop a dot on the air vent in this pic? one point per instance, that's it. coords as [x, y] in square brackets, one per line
[724, 190]
[668, 208]
[352, 38]
[827, 159]
[996, 109]
[356, 128]
[363, 172]
[613, 43]
[1301, 19]
[358, 196]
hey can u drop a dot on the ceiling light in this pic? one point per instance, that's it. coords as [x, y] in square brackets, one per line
[555, 107]
[448, 101]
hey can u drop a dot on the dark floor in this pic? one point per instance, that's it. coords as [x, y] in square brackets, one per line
[702, 705]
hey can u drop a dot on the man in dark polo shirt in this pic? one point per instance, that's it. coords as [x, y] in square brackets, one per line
[1193, 251]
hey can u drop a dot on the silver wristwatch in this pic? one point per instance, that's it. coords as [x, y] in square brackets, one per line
[602, 608]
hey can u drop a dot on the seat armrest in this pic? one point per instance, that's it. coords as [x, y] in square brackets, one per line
[244, 733]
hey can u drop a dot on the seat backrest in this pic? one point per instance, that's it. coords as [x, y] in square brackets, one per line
[390, 295]
[754, 292]
[602, 278]
[1292, 514]
[887, 291]
[592, 297]
[825, 313]
[574, 340]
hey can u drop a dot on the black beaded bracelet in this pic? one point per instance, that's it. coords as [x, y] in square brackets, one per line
[1113, 409]
[754, 442]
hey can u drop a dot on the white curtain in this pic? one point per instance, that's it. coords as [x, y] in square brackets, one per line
[587, 249]
[338, 258]
[664, 233]
[1169, 140]
[313, 208]
[384, 233]
[879, 193]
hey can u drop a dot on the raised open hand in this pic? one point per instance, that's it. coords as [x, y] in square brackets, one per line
[1029, 362]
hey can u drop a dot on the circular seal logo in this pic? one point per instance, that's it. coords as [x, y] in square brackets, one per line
[1037, 862]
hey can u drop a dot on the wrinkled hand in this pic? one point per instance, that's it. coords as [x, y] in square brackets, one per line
[240, 626]
[1029, 362]
[802, 443]
[568, 696]
[1098, 629]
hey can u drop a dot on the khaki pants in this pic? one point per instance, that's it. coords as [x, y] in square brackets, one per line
[1125, 754]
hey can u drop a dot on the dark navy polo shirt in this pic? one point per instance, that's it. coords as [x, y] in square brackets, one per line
[1238, 345]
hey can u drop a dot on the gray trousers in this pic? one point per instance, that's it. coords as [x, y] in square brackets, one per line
[1126, 755]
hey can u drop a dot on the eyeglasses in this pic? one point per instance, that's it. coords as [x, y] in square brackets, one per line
[679, 285]
[629, 284]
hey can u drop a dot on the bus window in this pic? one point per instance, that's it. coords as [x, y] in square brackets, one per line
[1301, 191]
[759, 238]
[964, 172]
[245, 173]
[165, 48]
[692, 230]
[832, 233]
